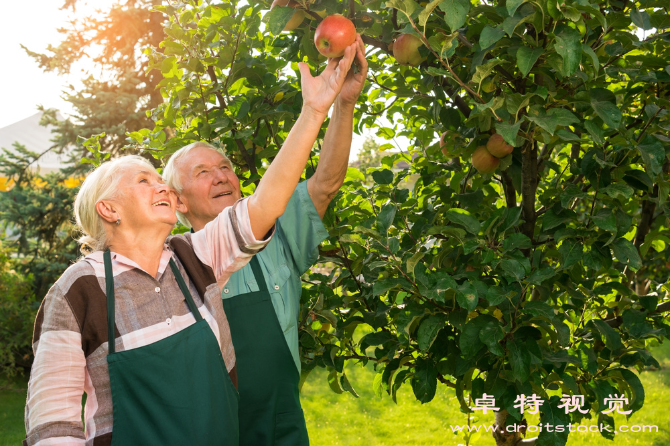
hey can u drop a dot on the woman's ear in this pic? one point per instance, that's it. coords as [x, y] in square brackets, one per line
[106, 211]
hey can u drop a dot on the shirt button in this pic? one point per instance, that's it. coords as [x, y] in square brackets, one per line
[157, 289]
[276, 287]
[226, 290]
[168, 321]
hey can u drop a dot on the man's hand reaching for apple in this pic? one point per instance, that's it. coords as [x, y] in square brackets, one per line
[319, 93]
[353, 84]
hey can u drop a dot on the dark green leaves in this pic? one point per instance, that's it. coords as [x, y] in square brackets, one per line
[463, 218]
[490, 36]
[526, 58]
[383, 176]
[603, 103]
[455, 12]
[553, 118]
[552, 415]
[424, 381]
[278, 17]
[519, 359]
[385, 217]
[569, 46]
[612, 337]
[627, 253]
[508, 131]
[466, 296]
[428, 330]
[653, 154]
[640, 19]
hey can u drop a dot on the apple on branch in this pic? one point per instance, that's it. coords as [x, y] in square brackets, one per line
[406, 50]
[497, 146]
[334, 34]
[483, 161]
[297, 17]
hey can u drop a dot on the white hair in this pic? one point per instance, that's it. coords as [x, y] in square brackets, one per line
[101, 184]
[172, 176]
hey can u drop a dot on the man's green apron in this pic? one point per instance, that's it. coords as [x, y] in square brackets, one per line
[175, 391]
[270, 411]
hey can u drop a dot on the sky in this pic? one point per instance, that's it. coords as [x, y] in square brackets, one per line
[23, 85]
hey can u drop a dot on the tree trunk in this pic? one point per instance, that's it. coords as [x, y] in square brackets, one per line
[505, 438]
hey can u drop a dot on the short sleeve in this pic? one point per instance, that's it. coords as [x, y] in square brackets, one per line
[302, 228]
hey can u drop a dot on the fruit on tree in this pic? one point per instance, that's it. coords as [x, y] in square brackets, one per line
[483, 161]
[406, 50]
[297, 17]
[334, 34]
[497, 146]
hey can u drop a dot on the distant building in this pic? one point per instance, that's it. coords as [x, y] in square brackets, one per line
[36, 138]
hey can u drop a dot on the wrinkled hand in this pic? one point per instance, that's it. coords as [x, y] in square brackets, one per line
[319, 93]
[353, 84]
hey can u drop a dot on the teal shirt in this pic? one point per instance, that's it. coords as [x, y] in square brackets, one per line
[290, 253]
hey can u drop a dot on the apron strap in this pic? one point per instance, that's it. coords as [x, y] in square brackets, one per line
[109, 282]
[258, 274]
[185, 291]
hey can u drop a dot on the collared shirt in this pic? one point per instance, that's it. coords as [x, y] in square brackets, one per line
[70, 340]
[290, 253]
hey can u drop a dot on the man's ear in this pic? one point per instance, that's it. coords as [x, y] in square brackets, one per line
[181, 206]
[107, 211]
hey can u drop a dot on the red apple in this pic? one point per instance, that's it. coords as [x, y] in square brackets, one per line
[406, 50]
[483, 161]
[334, 34]
[497, 146]
[296, 18]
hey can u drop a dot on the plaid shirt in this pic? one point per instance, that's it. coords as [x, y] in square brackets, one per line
[70, 338]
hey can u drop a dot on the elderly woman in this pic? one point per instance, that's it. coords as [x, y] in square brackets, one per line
[138, 324]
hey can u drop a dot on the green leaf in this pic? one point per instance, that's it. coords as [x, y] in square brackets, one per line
[513, 5]
[627, 253]
[540, 275]
[569, 47]
[619, 190]
[490, 36]
[653, 155]
[277, 18]
[595, 131]
[594, 57]
[385, 217]
[412, 261]
[428, 10]
[424, 381]
[334, 382]
[495, 295]
[483, 71]
[346, 385]
[526, 58]
[636, 387]
[571, 252]
[539, 309]
[641, 19]
[428, 330]
[519, 359]
[463, 218]
[513, 268]
[455, 12]
[553, 118]
[382, 286]
[605, 220]
[508, 131]
[516, 241]
[383, 176]
[612, 337]
[466, 296]
[469, 341]
[406, 6]
[608, 112]
[552, 415]
[491, 334]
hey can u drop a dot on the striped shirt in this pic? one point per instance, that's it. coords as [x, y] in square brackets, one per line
[70, 337]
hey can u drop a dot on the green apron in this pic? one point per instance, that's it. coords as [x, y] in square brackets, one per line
[176, 391]
[270, 411]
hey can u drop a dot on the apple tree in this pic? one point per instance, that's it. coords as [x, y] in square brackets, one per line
[541, 271]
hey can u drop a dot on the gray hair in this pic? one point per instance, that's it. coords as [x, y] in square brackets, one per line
[101, 184]
[172, 177]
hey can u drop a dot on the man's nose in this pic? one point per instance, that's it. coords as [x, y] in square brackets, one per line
[220, 176]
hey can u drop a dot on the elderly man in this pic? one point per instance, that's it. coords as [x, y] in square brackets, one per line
[262, 299]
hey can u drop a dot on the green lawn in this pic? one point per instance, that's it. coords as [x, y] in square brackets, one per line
[344, 420]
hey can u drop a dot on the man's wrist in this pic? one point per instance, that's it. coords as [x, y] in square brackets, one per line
[309, 114]
[344, 106]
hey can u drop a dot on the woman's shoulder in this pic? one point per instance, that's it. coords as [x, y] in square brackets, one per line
[82, 268]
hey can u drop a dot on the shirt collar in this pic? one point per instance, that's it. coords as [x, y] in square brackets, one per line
[119, 259]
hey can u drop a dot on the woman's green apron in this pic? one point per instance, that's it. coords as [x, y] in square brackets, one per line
[270, 412]
[176, 391]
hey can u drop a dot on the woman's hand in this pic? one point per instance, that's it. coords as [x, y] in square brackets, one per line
[319, 93]
[354, 82]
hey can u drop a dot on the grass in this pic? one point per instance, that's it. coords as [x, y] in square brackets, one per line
[334, 419]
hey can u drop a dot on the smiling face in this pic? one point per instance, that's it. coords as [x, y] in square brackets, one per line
[209, 185]
[144, 200]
